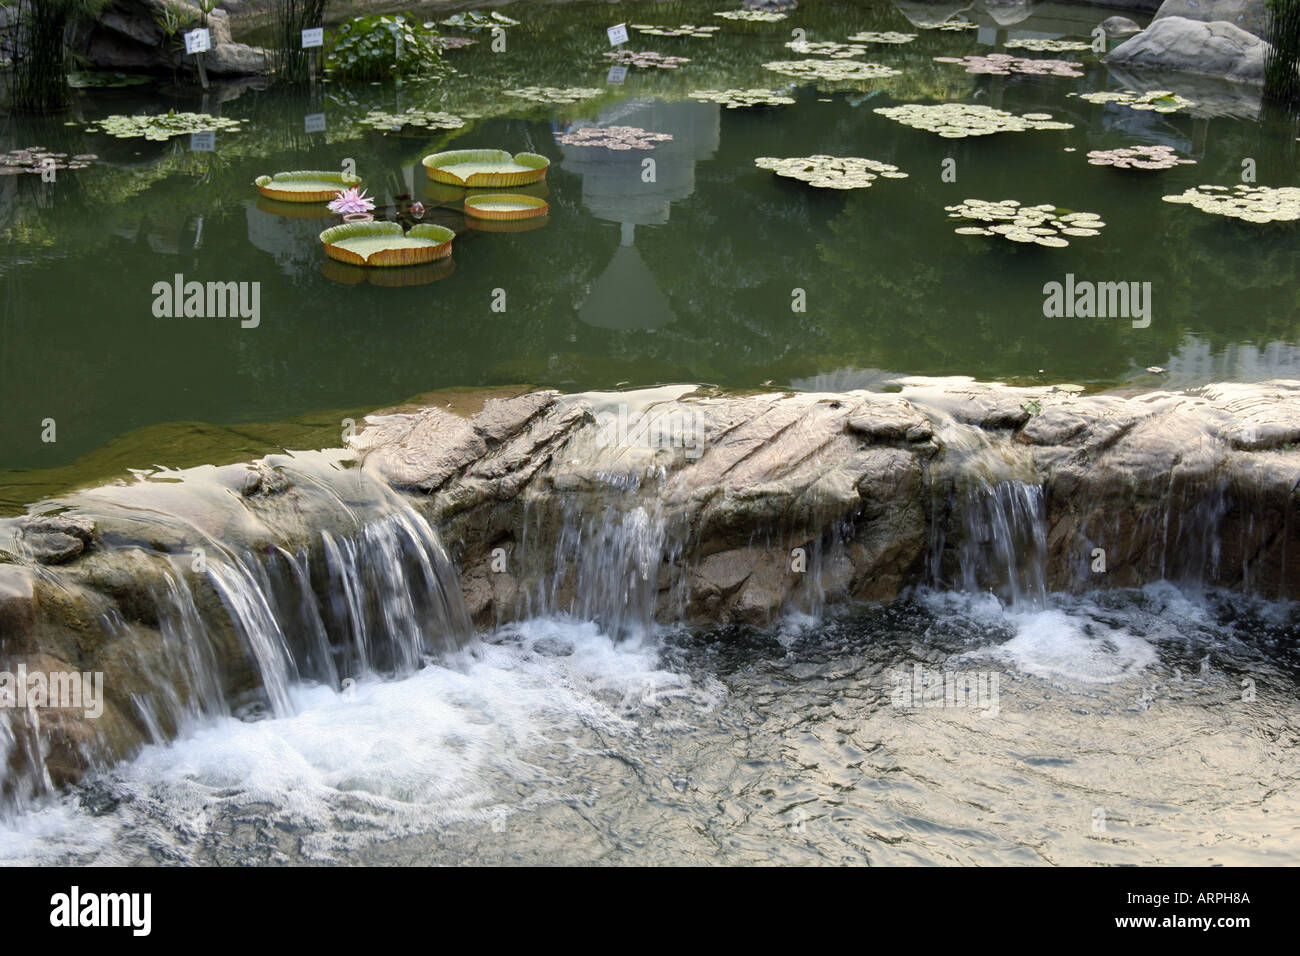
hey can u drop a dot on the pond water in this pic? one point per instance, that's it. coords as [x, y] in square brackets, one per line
[689, 277]
[1112, 730]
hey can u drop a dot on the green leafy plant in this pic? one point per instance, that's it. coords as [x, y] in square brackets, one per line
[294, 16]
[379, 47]
[1282, 65]
[39, 65]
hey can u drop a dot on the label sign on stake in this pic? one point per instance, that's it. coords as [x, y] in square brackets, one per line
[204, 142]
[198, 41]
[617, 34]
[313, 37]
[617, 74]
[314, 123]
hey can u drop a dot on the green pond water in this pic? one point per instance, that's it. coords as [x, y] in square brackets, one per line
[632, 280]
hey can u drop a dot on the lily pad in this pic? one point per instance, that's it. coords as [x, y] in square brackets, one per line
[832, 70]
[1043, 225]
[505, 207]
[162, 127]
[743, 99]
[612, 137]
[556, 94]
[1257, 204]
[888, 36]
[1138, 157]
[385, 244]
[959, 120]
[305, 185]
[685, 30]
[387, 122]
[1160, 101]
[485, 167]
[831, 172]
[1003, 64]
[752, 16]
[1048, 46]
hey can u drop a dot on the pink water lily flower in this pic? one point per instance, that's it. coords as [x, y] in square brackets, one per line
[417, 210]
[352, 200]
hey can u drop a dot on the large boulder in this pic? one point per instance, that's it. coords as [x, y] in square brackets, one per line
[1250, 15]
[1190, 46]
[129, 36]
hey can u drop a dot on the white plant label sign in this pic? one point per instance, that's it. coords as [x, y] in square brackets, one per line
[617, 34]
[617, 74]
[198, 41]
[314, 123]
[204, 142]
[313, 37]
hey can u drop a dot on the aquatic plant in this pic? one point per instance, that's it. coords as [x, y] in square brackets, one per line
[35, 36]
[474, 20]
[485, 167]
[104, 80]
[838, 51]
[385, 121]
[505, 207]
[352, 200]
[831, 70]
[1044, 225]
[743, 99]
[612, 137]
[379, 47]
[163, 126]
[646, 59]
[1161, 101]
[888, 36]
[556, 94]
[752, 16]
[1282, 61]
[952, 26]
[1138, 157]
[959, 120]
[292, 62]
[385, 243]
[1048, 46]
[1003, 64]
[34, 159]
[685, 30]
[831, 172]
[1256, 204]
[307, 186]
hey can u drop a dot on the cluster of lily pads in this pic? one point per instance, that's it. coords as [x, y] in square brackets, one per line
[1004, 64]
[1048, 46]
[554, 94]
[1044, 225]
[427, 119]
[832, 70]
[949, 25]
[752, 16]
[1247, 203]
[647, 59]
[473, 20]
[743, 99]
[35, 159]
[612, 137]
[839, 51]
[888, 36]
[831, 172]
[1138, 157]
[162, 127]
[1161, 101]
[685, 30]
[959, 120]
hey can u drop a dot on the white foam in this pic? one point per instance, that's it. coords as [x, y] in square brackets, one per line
[456, 741]
[1057, 645]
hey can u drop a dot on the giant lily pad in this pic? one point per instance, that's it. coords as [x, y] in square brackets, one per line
[1258, 204]
[305, 185]
[505, 207]
[422, 274]
[384, 243]
[958, 120]
[1044, 225]
[485, 167]
[831, 172]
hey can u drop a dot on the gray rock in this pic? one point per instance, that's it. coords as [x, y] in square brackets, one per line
[1182, 45]
[1118, 26]
[1250, 15]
